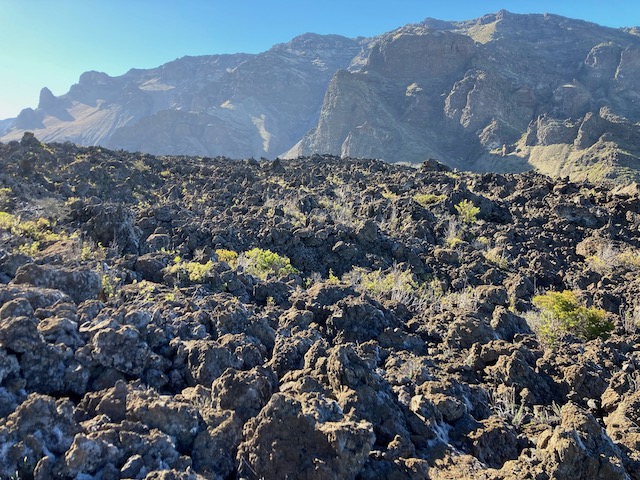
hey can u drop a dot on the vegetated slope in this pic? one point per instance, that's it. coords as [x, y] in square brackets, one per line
[134, 340]
[238, 105]
[504, 93]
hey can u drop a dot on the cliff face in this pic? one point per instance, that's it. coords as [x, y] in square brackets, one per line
[460, 91]
[504, 92]
[238, 105]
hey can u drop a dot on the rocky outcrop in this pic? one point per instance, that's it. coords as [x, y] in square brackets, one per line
[237, 105]
[424, 87]
[138, 338]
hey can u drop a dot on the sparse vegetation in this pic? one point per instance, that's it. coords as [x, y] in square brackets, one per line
[263, 263]
[427, 199]
[228, 256]
[195, 272]
[467, 211]
[560, 313]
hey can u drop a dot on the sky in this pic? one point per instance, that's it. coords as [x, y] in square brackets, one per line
[47, 43]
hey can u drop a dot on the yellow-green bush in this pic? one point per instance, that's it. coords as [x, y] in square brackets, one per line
[560, 313]
[196, 272]
[261, 263]
[228, 256]
[426, 199]
[467, 211]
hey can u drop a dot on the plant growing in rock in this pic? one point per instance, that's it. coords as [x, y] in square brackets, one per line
[394, 284]
[263, 263]
[196, 272]
[454, 234]
[496, 257]
[426, 199]
[560, 313]
[467, 211]
[228, 256]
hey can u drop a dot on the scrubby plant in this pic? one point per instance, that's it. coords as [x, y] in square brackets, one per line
[426, 199]
[467, 211]
[6, 220]
[560, 313]
[453, 234]
[228, 256]
[262, 263]
[496, 257]
[5, 197]
[196, 272]
[396, 283]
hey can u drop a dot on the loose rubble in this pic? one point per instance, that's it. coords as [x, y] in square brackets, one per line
[400, 342]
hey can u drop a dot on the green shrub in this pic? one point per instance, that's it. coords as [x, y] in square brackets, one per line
[262, 263]
[228, 256]
[560, 313]
[467, 211]
[196, 272]
[426, 199]
[7, 221]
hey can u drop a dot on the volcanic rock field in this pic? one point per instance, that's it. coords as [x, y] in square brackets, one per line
[313, 318]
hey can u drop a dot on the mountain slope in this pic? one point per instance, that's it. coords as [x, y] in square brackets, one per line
[459, 91]
[503, 92]
[238, 105]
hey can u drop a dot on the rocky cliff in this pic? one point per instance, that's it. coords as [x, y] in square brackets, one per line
[504, 93]
[322, 318]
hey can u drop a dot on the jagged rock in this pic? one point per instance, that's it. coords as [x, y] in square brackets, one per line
[121, 349]
[622, 428]
[79, 285]
[243, 392]
[307, 448]
[579, 447]
[40, 424]
[205, 361]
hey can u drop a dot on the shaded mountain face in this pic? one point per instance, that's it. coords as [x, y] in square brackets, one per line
[504, 92]
[238, 105]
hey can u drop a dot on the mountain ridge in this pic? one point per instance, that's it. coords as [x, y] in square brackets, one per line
[503, 92]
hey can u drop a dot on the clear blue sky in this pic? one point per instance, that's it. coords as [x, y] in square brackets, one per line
[51, 42]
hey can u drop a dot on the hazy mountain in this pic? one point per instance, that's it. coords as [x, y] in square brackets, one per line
[6, 125]
[504, 92]
[238, 105]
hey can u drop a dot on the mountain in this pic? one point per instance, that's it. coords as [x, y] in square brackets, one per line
[559, 94]
[504, 92]
[237, 105]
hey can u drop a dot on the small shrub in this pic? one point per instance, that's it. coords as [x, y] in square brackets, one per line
[467, 211]
[228, 256]
[6, 195]
[496, 257]
[560, 313]
[454, 234]
[6, 221]
[196, 272]
[262, 263]
[629, 258]
[426, 199]
[394, 284]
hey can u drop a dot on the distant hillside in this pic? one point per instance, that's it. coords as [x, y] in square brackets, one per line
[503, 92]
[236, 105]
